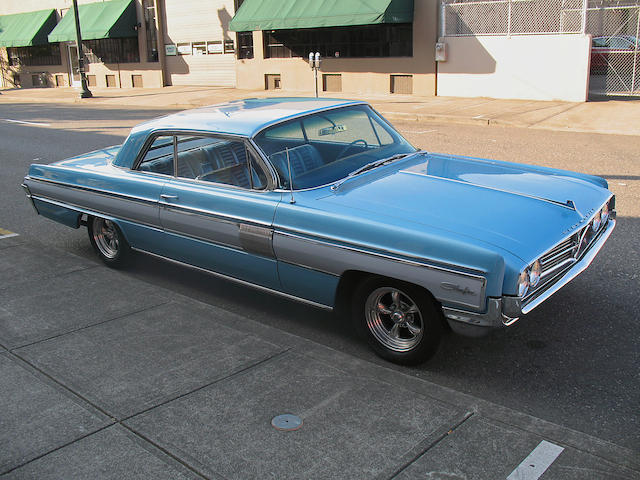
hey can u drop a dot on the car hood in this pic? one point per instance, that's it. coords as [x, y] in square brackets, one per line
[522, 209]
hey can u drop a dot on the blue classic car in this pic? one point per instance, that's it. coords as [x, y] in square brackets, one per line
[324, 202]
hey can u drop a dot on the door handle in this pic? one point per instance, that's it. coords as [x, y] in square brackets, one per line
[165, 196]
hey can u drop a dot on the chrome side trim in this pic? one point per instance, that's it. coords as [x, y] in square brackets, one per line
[391, 255]
[30, 197]
[579, 267]
[237, 280]
[94, 213]
[223, 217]
[334, 259]
[95, 190]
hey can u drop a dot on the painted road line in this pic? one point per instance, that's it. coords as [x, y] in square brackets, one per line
[6, 234]
[27, 123]
[537, 462]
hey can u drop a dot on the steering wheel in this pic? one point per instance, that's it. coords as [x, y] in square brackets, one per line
[346, 148]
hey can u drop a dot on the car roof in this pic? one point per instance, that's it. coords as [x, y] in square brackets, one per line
[241, 117]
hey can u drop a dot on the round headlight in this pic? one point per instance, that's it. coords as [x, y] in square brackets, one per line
[604, 214]
[596, 222]
[523, 283]
[534, 274]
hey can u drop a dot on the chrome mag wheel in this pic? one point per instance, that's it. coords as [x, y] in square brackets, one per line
[108, 242]
[394, 319]
[106, 237]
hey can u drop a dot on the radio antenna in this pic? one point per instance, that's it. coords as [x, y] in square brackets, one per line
[293, 200]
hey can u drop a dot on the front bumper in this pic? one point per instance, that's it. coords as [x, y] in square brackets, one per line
[505, 310]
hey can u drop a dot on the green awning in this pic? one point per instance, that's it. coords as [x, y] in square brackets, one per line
[114, 19]
[284, 14]
[26, 29]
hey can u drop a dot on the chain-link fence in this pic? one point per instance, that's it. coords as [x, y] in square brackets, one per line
[614, 26]
[615, 49]
[511, 17]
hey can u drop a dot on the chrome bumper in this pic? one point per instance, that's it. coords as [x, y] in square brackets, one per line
[506, 310]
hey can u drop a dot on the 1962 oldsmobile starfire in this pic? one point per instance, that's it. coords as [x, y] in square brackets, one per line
[324, 202]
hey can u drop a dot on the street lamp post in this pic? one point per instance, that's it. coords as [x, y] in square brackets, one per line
[314, 63]
[85, 92]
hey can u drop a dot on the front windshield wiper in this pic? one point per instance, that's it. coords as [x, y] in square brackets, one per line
[371, 166]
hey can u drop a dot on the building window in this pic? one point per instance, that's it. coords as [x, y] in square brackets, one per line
[384, 40]
[402, 84]
[271, 81]
[245, 44]
[110, 80]
[59, 80]
[136, 81]
[111, 50]
[40, 80]
[331, 82]
[91, 81]
[152, 33]
[228, 46]
[41, 55]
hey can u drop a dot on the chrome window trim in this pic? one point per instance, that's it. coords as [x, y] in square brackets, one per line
[352, 103]
[390, 255]
[266, 167]
[237, 280]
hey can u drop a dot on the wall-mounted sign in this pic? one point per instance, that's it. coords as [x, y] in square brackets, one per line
[170, 50]
[184, 48]
[214, 47]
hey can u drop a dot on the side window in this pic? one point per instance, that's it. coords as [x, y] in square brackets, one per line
[218, 160]
[159, 157]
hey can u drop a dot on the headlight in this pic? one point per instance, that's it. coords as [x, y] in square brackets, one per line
[597, 221]
[523, 283]
[534, 274]
[604, 213]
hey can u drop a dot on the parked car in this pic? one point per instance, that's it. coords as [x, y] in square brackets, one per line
[324, 202]
[616, 52]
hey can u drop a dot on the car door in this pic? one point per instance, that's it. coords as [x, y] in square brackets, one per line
[217, 213]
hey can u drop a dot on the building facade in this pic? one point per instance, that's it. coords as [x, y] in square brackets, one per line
[386, 46]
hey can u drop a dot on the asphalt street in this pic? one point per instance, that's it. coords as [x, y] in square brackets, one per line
[573, 361]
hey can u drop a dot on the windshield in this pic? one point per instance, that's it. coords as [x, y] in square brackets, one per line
[326, 146]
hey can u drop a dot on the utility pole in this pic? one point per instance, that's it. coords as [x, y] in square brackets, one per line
[85, 92]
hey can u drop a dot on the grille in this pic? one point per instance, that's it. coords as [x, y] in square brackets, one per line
[560, 256]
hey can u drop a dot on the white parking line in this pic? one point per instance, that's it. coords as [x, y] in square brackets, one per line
[419, 131]
[8, 235]
[26, 123]
[537, 462]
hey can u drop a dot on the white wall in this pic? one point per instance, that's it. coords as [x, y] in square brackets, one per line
[535, 67]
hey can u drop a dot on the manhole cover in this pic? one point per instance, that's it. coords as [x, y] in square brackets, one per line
[286, 422]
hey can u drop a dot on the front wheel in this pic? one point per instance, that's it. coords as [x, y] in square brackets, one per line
[108, 242]
[399, 320]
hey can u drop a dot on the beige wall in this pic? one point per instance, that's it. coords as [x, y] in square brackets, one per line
[151, 71]
[535, 67]
[187, 21]
[359, 75]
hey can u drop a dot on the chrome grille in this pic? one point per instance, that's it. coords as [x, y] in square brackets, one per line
[560, 256]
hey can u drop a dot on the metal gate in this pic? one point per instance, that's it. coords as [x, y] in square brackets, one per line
[615, 49]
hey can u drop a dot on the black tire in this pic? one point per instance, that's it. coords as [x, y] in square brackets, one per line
[108, 242]
[400, 321]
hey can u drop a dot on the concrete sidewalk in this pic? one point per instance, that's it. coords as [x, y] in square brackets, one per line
[607, 116]
[98, 383]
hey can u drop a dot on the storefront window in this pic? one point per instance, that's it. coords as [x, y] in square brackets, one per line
[245, 44]
[111, 50]
[39, 55]
[384, 40]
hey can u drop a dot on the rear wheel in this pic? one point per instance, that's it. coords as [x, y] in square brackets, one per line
[399, 320]
[108, 242]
